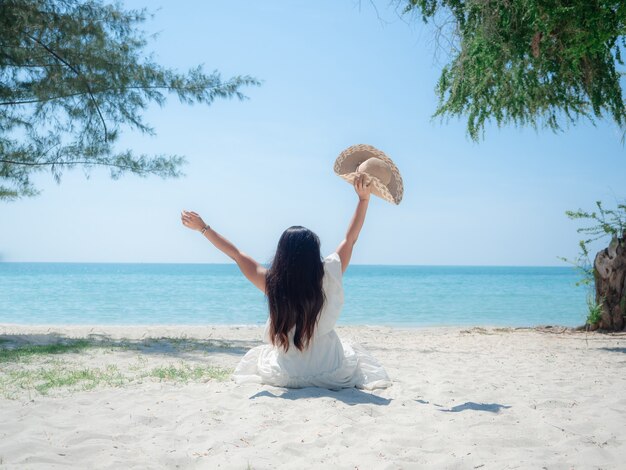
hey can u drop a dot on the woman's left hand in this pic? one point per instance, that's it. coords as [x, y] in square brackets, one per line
[192, 220]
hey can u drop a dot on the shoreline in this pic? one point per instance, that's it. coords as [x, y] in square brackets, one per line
[219, 326]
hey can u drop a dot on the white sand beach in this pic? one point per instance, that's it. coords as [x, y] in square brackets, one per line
[161, 397]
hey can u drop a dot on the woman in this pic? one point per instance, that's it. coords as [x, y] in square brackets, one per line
[305, 297]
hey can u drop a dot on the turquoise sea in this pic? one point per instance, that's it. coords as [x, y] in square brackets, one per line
[103, 293]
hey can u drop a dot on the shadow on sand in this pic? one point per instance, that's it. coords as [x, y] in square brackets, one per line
[470, 405]
[350, 396]
[183, 348]
[618, 350]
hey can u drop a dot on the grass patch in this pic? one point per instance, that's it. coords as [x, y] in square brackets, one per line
[29, 351]
[39, 369]
[86, 378]
[24, 352]
[595, 311]
[59, 376]
[185, 373]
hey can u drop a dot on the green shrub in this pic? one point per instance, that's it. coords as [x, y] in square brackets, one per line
[595, 311]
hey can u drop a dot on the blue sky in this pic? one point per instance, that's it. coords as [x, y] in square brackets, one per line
[335, 73]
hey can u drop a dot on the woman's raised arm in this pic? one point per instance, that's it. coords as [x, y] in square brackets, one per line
[344, 250]
[253, 271]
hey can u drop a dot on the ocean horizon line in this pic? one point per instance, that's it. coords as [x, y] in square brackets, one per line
[351, 264]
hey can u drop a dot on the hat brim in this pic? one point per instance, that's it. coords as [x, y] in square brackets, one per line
[348, 161]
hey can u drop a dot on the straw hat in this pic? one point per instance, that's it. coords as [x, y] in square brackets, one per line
[383, 174]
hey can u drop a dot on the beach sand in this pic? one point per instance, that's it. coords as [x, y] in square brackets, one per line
[161, 397]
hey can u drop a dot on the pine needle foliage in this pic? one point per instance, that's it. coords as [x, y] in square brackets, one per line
[605, 223]
[542, 63]
[73, 74]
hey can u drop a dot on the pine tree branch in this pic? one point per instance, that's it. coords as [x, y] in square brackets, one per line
[106, 90]
[17, 162]
[72, 72]
[56, 163]
[80, 74]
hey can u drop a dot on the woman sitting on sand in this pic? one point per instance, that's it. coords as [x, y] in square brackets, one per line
[305, 296]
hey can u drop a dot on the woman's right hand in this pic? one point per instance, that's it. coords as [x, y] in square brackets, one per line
[362, 186]
[192, 220]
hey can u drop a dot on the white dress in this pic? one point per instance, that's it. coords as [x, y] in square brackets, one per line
[328, 362]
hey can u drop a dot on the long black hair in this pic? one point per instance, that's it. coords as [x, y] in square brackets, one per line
[293, 286]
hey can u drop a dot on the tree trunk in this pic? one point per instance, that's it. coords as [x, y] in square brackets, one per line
[610, 280]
